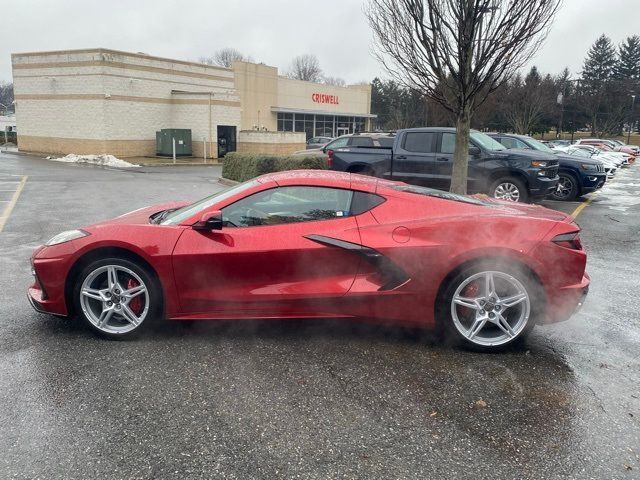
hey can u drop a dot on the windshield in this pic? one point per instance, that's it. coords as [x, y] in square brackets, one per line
[579, 152]
[183, 213]
[537, 145]
[486, 142]
[432, 192]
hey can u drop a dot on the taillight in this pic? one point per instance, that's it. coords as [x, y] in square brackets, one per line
[568, 240]
[329, 158]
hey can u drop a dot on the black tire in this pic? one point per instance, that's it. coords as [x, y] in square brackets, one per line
[568, 188]
[116, 326]
[505, 184]
[522, 318]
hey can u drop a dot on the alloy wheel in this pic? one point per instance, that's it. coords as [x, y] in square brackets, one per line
[114, 299]
[564, 187]
[490, 308]
[507, 191]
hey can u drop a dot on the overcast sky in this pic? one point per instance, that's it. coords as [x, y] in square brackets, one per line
[270, 31]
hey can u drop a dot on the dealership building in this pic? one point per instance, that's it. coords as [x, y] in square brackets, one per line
[105, 101]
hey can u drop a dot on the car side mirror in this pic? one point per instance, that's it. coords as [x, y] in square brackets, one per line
[209, 221]
[473, 150]
[324, 149]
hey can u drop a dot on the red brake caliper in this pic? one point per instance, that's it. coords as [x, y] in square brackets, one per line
[136, 302]
[470, 291]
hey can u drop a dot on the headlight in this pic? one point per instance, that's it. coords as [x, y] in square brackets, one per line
[538, 163]
[588, 166]
[66, 237]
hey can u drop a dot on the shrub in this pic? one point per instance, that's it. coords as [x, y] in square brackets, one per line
[243, 166]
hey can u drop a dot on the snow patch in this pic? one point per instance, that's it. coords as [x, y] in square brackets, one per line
[102, 160]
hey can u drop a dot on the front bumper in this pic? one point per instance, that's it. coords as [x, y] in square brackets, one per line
[542, 186]
[591, 183]
[50, 266]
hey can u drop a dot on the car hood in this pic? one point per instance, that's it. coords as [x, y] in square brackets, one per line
[565, 158]
[525, 154]
[141, 215]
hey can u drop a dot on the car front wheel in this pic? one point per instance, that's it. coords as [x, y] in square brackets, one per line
[509, 189]
[116, 297]
[489, 307]
[567, 188]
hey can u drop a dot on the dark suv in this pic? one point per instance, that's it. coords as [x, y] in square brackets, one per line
[577, 175]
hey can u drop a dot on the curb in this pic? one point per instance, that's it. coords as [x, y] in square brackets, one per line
[199, 164]
[227, 182]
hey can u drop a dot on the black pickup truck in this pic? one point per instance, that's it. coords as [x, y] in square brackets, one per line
[424, 156]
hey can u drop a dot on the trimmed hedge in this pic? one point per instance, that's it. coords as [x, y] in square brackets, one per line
[244, 166]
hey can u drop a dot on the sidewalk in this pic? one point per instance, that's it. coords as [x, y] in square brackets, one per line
[168, 161]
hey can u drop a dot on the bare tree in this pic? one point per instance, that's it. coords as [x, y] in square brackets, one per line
[305, 67]
[458, 51]
[6, 96]
[225, 58]
[335, 81]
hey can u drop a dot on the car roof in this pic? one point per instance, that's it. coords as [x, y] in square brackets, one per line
[322, 178]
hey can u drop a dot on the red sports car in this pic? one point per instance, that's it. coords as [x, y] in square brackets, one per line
[317, 244]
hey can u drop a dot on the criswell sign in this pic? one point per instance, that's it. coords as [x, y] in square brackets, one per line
[322, 98]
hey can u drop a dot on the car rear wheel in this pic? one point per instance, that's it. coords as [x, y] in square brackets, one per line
[567, 188]
[116, 298]
[488, 307]
[510, 189]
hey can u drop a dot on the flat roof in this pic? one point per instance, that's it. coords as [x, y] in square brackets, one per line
[117, 52]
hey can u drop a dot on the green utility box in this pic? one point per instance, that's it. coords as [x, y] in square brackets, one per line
[164, 142]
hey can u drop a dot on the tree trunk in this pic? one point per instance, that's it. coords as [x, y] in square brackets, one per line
[461, 152]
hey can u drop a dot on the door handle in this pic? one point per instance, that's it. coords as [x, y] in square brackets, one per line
[401, 157]
[442, 159]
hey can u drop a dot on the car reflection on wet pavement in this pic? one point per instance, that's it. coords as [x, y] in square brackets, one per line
[320, 399]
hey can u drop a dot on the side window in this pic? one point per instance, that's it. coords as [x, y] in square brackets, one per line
[361, 142]
[313, 140]
[288, 205]
[420, 142]
[386, 142]
[448, 144]
[521, 144]
[338, 143]
[508, 142]
[364, 201]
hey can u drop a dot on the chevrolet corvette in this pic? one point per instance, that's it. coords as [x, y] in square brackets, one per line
[317, 244]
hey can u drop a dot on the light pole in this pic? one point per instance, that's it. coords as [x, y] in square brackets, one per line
[633, 101]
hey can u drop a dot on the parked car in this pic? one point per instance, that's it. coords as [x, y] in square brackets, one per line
[610, 167]
[318, 142]
[559, 143]
[352, 140]
[608, 145]
[634, 149]
[317, 244]
[618, 158]
[577, 176]
[424, 156]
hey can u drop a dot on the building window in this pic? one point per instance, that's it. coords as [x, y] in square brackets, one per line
[285, 122]
[320, 125]
[324, 126]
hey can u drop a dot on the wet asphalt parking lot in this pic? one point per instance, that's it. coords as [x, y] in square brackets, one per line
[312, 400]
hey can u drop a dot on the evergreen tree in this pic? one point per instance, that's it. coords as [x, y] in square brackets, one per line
[628, 67]
[597, 86]
[600, 64]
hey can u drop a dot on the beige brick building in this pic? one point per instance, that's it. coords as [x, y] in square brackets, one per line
[107, 101]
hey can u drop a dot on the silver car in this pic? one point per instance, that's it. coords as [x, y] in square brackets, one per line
[318, 142]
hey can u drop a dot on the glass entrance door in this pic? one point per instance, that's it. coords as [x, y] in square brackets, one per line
[342, 131]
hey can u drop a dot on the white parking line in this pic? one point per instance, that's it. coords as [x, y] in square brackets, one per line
[11, 203]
